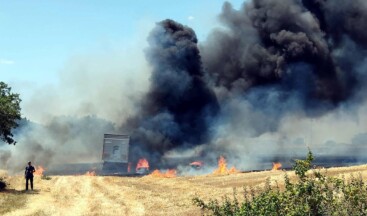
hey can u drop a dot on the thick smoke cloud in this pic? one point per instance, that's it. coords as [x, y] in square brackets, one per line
[278, 63]
[92, 95]
[282, 63]
[274, 60]
[62, 140]
[264, 39]
[178, 107]
[340, 18]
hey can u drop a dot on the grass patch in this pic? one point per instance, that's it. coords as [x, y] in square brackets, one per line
[10, 201]
[40, 213]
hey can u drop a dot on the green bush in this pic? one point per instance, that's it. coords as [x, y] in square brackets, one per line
[45, 177]
[2, 184]
[312, 194]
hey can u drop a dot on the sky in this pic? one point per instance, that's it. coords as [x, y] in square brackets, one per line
[39, 37]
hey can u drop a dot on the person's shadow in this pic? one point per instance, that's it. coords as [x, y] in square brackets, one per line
[20, 192]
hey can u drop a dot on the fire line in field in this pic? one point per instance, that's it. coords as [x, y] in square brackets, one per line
[197, 164]
[222, 168]
[39, 171]
[90, 173]
[276, 166]
[171, 173]
[142, 164]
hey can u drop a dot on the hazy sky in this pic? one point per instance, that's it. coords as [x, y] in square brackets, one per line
[38, 37]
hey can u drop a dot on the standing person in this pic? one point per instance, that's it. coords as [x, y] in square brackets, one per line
[28, 174]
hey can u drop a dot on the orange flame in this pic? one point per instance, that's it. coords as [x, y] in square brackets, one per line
[39, 171]
[233, 170]
[142, 163]
[171, 173]
[222, 168]
[197, 163]
[90, 173]
[128, 167]
[276, 166]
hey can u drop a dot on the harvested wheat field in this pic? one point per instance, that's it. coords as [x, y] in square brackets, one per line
[148, 195]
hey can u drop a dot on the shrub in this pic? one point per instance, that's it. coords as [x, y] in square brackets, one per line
[45, 177]
[312, 194]
[2, 184]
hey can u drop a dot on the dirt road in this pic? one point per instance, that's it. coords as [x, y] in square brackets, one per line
[96, 195]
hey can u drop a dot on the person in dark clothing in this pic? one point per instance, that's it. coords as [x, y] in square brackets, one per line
[28, 174]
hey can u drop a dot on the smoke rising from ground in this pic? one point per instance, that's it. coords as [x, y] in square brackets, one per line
[95, 92]
[288, 74]
[277, 77]
[178, 107]
[61, 140]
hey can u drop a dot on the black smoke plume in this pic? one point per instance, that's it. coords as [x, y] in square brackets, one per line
[266, 39]
[272, 59]
[280, 60]
[179, 106]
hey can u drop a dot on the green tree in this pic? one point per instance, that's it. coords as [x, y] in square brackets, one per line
[9, 113]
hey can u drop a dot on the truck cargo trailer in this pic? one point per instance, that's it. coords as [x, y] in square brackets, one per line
[115, 154]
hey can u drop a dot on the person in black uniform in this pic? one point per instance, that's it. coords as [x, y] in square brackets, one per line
[28, 174]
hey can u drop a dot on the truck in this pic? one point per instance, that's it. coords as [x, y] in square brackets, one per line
[115, 154]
